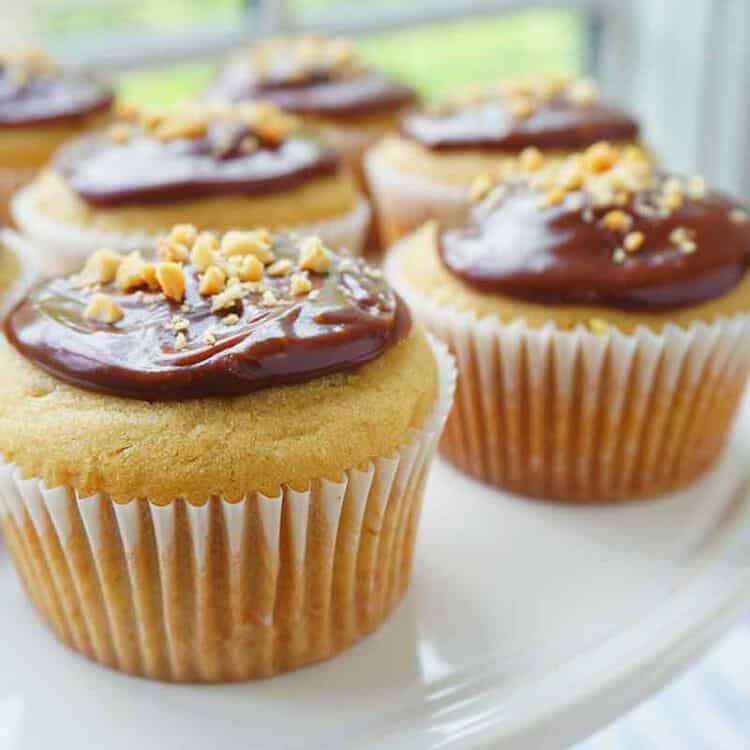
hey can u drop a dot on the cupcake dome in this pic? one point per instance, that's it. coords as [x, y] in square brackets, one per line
[41, 105]
[230, 437]
[599, 313]
[324, 82]
[423, 172]
[217, 166]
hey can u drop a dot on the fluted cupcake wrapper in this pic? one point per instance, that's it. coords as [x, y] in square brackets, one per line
[220, 591]
[11, 180]
[65, 246]
[404, 202]
[579, 416]
[28, 270]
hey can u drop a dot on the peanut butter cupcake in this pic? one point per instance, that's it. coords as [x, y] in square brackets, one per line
[600, 322]
[218, 167]
[41, 105]
[216, 454]
[325, 83]
[425, 171]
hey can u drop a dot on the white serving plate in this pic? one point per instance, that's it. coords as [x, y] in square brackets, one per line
[528, 626]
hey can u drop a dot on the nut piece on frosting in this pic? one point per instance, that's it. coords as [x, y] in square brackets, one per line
[103, 309]
[313, 256]
[264, 121]
[619, 182]
[221, 271]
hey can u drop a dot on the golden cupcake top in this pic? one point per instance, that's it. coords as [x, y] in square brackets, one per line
[35, 90]
[601, 227]
[202, 314]
[512, 114]
[193, 151]
[310, 74]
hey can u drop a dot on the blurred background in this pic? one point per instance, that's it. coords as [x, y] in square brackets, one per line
[682, 65]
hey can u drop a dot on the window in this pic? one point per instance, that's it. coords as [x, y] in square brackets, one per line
[433, 45]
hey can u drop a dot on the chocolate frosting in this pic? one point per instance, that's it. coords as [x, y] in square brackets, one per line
[489, 126]
[352, 319]
[145, 169]
[565, 254]
[49, 96]
[318, 93]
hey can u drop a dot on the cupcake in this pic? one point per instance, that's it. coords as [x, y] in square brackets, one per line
[599, 318]
[215, 457]
[425, 171]
[41, 105]
[218, 167]
[325, 83]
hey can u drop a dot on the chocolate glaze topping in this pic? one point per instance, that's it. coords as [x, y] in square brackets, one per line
[574, 252]
[161, 349]
[318, 93]
[229, 158]
[35, 97]
[310, 75]
[556, 119]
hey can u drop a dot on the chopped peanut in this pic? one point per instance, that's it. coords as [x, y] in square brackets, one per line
[101, 267]
[634, 241]
[171, 280]
[212, 281]
[313, 256]
[250, 269]
[257, 242]
[531, 159]
[280, 267]
[617, 220]
[184, 234]
[203, 253]
[600, 157]
[169, 250]
[130, 273]
[300, 284]
[103, 309]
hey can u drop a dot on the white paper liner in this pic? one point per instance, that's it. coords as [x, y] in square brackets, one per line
[578, 416]
[404, 202]
[28, 270]
[224, 591]
[65, 247]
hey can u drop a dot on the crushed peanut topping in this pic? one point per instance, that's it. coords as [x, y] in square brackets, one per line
[203, 252]
[134, 273]
[280, 267]
[301, 284]
[264, 120]
[212, 281]
[313, 256]
[305, 55]
[611, 186]
[522, 97]
[634, 241]
[100, 268]
[255, 242]
[103, 309]
[617, 220]
[171, 279]
[223, 274]
[531, 159]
